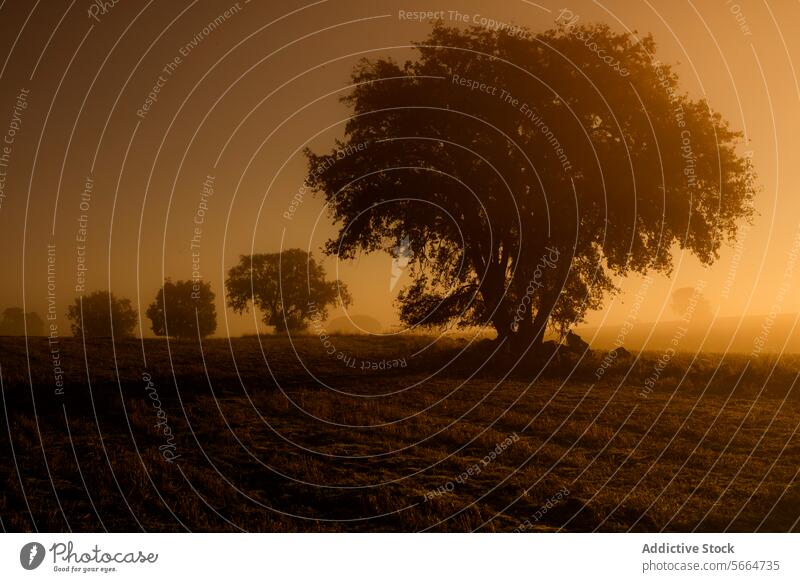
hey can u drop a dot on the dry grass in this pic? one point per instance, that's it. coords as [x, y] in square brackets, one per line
[269, 446]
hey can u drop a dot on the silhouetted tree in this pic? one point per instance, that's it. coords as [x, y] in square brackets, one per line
[689, 303]
[289, 288]
[528, 172]
[179, 308]
[15, 322]
[93, 316]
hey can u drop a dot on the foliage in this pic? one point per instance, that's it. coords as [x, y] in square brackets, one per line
[184, 310]
[16, 322]
[556, 153]
[102, 314]
[289, 288]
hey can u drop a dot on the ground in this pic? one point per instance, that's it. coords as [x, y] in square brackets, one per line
[391, 434]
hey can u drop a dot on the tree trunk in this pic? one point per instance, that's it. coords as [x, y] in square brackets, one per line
[530, 334]
[539, 326]
[502, 323]
[493, 294]
[524, 336]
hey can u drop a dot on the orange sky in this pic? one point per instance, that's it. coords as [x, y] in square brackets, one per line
[235, 105]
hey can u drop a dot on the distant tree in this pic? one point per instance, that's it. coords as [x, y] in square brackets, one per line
[529, 172]
[689, 302]
[289, 288]
[180, 307]
[93, 316]
[15, 322]
[34, 323]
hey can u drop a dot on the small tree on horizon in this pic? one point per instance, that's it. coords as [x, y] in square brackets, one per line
[102, 314]
[184, 310]
[288, 287]
[16, 322]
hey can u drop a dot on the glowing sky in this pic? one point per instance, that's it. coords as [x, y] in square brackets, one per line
[149, 101]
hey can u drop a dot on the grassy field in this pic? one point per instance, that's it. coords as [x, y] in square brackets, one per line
[391, 434]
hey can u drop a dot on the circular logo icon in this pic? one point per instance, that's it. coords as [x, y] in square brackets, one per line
[31, 555]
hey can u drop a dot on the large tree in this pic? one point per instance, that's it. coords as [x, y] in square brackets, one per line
[184, 310]
[529, 172]
[289, 288]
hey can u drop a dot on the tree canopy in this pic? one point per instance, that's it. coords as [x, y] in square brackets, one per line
[529, 174]
[184, 310]
[289, 288]
[102, 314]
